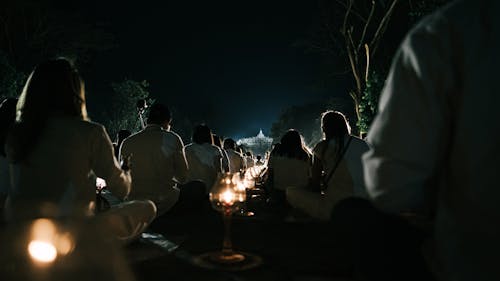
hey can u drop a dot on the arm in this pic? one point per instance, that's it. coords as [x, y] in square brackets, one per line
[105, 165]
[409, 137]
[180, 162]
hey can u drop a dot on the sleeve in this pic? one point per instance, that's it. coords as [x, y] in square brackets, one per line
[408, 138]
[105, 165]
[180, 162]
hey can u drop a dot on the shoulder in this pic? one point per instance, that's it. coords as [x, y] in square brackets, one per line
[320, 147]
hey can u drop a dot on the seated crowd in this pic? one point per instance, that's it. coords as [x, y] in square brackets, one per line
[422, 161]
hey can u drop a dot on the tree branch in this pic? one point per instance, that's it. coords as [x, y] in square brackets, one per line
[362, 39]
[353, 12]
[381, 28]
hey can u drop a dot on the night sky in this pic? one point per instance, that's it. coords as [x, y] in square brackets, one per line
[232, 64]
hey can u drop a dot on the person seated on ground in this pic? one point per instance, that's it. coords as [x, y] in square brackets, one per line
[204, 159]
[120, 137]
[225, 159]
[435, 141]
[53, 151]
[236, 162]
[249, 159]
[7, 119]
[159, 166]
[289, 166]
[336, 173]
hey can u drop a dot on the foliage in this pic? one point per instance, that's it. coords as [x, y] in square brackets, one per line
[368, 107]
[123, 113]
[11, 80]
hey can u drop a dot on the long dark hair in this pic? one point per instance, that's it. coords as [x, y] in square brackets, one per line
[336, 127]
[54, 88]
[292, 146]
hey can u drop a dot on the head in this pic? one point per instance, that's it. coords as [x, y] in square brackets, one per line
[291, 140]
[159, 114]
[54, 89]
[229, 144]
[202, 134]
[292, 146]
[334, 125]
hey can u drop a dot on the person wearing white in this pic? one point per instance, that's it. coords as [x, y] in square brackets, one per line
[289, 166]
[435, 142]
[204, 158]
[157, 158]
[159, 166]
[347, 178]
[55, 154]
[236, 161]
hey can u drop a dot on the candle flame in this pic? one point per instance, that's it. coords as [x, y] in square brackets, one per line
[228, 197]
[42, 251]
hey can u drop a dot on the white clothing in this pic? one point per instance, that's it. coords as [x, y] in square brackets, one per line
[157, 159]
[437, 136]
[347, 181]
[204, 161]
[60, 168]
[58, 179]
[236, 162]
[289, 172]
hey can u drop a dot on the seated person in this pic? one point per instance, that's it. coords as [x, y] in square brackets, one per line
[159, 167]
[53, 150]
[289, 155]
[204, 159]
[338, 158]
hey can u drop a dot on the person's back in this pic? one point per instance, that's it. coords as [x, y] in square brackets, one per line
[154, 154]
[289, 172]
[352, 173]
[204, 161]
[68, 150]
[436, 135]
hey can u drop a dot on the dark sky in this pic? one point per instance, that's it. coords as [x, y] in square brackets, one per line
[229, 63]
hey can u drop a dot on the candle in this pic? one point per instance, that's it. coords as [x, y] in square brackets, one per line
[227, 197]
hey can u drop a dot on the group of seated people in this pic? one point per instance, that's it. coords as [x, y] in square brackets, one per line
[423, 158]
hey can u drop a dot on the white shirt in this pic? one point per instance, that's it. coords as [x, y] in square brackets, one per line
[157, 160]
[436, 138]
[59, 171]
[347, 180]
[289, 172]
[204, 161]
[236, 162]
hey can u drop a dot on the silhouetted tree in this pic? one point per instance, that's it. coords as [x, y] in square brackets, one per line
[123, 114]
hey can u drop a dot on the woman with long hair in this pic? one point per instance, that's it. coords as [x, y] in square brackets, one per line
[337, 171]
[288, 166]
[56, 154]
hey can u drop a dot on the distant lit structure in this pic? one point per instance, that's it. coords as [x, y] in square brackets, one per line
[258, 144]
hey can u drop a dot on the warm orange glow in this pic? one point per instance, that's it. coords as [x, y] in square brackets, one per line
[42, 251]
[227, 197]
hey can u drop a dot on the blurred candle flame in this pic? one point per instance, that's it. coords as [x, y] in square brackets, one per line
[42, 251]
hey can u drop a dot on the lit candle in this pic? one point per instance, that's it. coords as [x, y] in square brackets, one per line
[227, 197]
